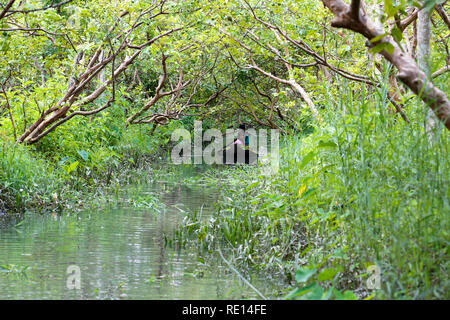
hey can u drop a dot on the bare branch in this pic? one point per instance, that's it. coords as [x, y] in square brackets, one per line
[294, 85]
[305, 48]
[57, 114]
[403, 24]
[409, 73]
[354, 8]
[440, 10]
[6, 8]
[440, 72]
[158, 92]
[55, 5]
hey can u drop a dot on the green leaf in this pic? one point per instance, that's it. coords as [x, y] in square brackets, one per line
[326, 274]
[307, 159]
[327, 144]
[62, 161]
[302, 275]
[417, 4]
[339, 254]
[388, 47]
[83, 154]
[348, 295]
[397, 35]
[300, 291]
[378, 38]
[429, 4]
[389, 8]
[316, 293]
[72, 167]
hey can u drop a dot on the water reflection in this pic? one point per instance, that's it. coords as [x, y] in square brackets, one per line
[120, 251]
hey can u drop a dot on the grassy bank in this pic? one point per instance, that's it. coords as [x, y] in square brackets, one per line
[366, 193]
[73, 170]
[25, 181]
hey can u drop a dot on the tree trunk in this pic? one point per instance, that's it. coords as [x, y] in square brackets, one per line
[393, 88]
[423, 55]
[353, 18]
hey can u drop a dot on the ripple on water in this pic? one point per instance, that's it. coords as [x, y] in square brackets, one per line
[120, 253]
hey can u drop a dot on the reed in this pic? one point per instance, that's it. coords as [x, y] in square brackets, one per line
[365, 189]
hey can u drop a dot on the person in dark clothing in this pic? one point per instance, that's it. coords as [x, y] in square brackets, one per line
[239, 148]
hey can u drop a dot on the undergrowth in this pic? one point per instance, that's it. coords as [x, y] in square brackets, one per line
[365, 195]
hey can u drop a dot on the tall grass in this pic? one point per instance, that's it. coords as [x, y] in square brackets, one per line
[366, 188]
[24, 179]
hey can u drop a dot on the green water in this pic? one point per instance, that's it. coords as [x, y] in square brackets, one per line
[120, 251]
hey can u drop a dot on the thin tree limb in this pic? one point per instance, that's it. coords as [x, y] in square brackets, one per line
[440, 10]
[440, 72]
[409, 73]
[6, 8]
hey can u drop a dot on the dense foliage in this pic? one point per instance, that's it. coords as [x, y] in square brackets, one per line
[91, 91]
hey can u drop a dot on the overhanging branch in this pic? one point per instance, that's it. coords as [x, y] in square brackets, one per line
[409, 73]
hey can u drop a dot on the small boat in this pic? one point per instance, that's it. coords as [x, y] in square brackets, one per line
[238, 154]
